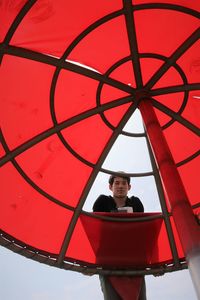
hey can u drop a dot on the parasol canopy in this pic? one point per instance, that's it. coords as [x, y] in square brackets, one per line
[72, 75]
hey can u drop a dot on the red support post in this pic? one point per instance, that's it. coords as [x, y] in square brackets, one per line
[186, 224]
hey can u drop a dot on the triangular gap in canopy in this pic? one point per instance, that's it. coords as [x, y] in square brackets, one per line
[128, 145]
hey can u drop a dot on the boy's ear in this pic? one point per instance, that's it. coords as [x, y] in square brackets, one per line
[129, 187]
[110, 187]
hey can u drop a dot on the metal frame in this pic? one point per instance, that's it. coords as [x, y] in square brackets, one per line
[136, 95]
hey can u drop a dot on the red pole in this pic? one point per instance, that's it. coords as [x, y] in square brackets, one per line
[186, 224]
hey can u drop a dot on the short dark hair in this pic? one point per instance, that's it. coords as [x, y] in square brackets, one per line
[120, 174]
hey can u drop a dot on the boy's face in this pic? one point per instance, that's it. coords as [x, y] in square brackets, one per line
[120, 187]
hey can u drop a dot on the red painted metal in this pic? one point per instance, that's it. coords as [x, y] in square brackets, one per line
[186, 224]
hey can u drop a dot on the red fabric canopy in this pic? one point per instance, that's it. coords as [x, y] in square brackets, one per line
[71, 76]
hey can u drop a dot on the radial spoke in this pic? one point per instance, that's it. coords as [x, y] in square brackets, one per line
[175, 89]
[131, 30]
[176, 116]
[173, 58]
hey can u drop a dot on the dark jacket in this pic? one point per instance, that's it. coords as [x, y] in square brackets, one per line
[107, 204]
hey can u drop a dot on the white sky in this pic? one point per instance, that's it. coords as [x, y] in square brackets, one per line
[23, 279]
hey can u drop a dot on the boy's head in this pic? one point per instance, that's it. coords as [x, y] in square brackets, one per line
[120, 174]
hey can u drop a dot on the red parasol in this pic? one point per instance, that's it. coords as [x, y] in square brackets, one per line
[72, 75]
